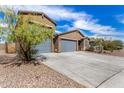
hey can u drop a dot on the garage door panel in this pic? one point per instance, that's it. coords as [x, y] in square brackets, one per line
[68, 46]
[44, 47]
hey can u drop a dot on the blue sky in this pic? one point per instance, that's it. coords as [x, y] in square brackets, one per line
[93, 21]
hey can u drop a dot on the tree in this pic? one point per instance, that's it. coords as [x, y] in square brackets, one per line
[118, 44]
[25, 33]
[96, 44]
[108, 45]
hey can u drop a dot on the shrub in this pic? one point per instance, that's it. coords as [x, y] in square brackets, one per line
[26, 34]
[108, 45]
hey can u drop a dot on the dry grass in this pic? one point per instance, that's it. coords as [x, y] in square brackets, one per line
[30, 76]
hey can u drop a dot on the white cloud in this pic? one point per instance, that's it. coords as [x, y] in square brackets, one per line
[94, 27]
[65, 27]
[108, 37]
[55, 12]
[79, 20]
[120, 18]
[117, 38]
[58, 31]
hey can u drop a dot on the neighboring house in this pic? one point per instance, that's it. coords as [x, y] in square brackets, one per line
[62, 42]
[70, 41]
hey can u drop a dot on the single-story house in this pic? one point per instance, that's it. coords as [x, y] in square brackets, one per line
[63, 42]
[70, 41]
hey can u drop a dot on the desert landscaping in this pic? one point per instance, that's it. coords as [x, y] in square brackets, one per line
[119, 53]
[36, 51]
[31, 76]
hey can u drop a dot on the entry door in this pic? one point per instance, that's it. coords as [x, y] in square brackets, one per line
[68, 46]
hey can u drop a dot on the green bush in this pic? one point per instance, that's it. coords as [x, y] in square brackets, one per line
[108, 45]
[26, 34]
[118, 44]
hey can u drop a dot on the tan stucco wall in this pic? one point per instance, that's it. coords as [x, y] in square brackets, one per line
[72, 36]
[43, 20]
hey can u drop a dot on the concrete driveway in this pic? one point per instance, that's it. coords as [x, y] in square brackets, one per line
[89, 69]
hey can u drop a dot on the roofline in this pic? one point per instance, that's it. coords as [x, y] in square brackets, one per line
[35, 12]
[87, 38]
[71, 32]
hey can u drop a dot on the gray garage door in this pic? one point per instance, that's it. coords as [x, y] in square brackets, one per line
[68, 46]
[44, 47]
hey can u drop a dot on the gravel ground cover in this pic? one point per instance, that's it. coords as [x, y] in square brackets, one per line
[30, 76]
[118, 53]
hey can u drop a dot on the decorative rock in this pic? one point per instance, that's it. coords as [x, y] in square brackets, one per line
[40, 58]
